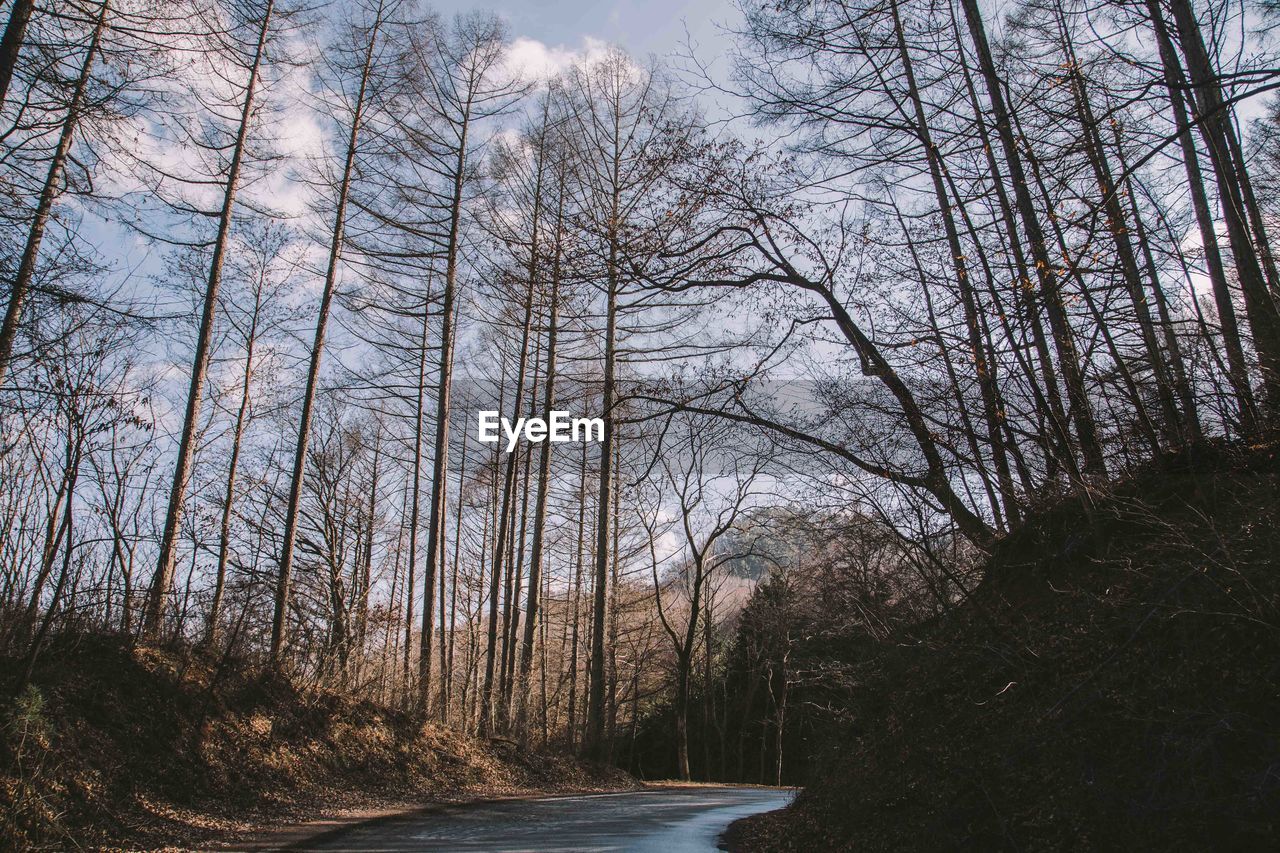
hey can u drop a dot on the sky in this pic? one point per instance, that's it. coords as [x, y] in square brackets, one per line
[547, 36]
[640, 26]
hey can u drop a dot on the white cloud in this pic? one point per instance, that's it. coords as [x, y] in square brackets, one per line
[537, 61]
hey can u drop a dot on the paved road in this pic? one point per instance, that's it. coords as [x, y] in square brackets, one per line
[676, 820]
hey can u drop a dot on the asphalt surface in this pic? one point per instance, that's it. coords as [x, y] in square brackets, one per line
[674, 820]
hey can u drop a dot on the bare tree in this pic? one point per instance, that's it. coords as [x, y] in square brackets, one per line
[259, 20]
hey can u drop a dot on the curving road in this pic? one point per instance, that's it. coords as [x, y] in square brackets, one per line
[670, 820]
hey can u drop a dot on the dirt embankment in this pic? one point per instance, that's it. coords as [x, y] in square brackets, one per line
[1114, 684]
[114, 746]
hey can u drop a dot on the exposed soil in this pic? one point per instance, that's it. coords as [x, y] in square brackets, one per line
[117, 747]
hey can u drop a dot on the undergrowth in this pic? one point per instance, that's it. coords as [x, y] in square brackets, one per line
[116, 745]
[1113, 684]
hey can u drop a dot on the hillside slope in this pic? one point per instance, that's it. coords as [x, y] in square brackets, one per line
[1113, 684]
[146, 748]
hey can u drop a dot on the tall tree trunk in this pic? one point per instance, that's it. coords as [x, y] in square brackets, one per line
[515, 579]
[1048, 398]
[540, 507]
[54, 529]
[1094, 467]
[442, 641]
[780, 728]
[1236, 369]
[1175, 83]
[571, 728]
[285, 575]
[1006, 507]
[447, 649]
[683, 665]
[611, 644]
[163, 579]
[440, 465]
[953, 378]
[684, 662]
[415, 501]
[366, 559]
[1177, 364]
[544, 626]
[1256, 219]
[1144, 423]
[596, 680]
[233, 470]
[1117, 224]
[52, 188]
[391, 643]
[1213, 116]
[987, 341]
[470, 681]
[710, 722]
[74, 457]
[11, 43]
[509, 481]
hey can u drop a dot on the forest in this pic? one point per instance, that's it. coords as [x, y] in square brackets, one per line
[890, 299]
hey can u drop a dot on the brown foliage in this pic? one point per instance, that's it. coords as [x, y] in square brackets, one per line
[151, 747]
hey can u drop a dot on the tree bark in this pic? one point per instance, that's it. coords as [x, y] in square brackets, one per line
[985, 370]
[163, 579]
[50, 191]
[415, 501]
[285, 576]
[1175, 83]
[571, 729]
[1117, 224]
[540, 506]
[1213, 117]
[504, 522]
[1094, 467]
[440, 465]
[596, 681]
[233, 470]
[11, 43]
[447, 654]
